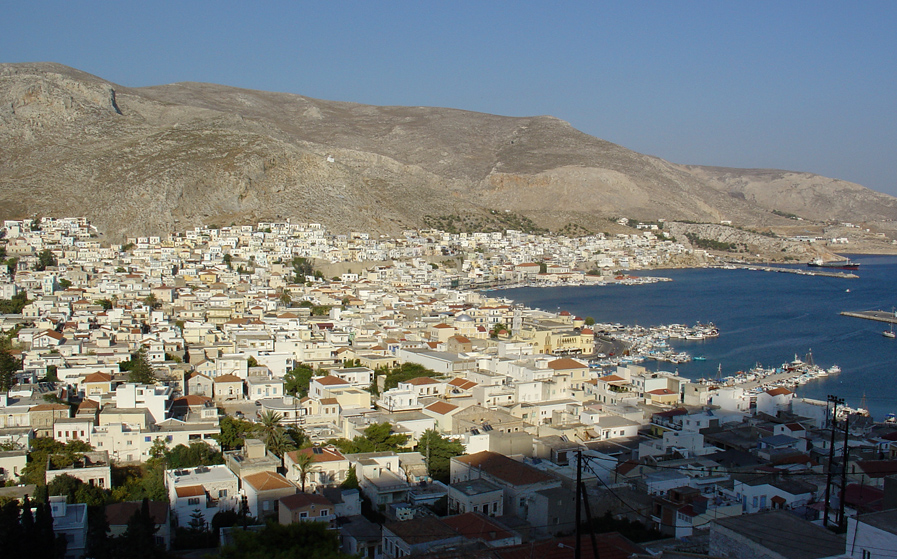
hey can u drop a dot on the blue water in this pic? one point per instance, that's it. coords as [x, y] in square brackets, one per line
[764, 318]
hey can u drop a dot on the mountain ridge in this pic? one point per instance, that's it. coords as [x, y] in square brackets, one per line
[168, 157]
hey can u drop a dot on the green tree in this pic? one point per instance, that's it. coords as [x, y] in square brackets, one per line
[151, 301]
[228, 259]
[232, 431]
[268, 425]
[305, 464]
[138, 541]
[297, 379]
[377, 437]
[140, 370]
[496, 330]
[543, 267]
[252, 362]
[45, 259]
[438, 452]
[301, 268]
[309, 540]
[589, 321]
[351, 481]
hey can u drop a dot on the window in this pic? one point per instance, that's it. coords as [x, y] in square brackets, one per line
[303, 515]
[325, 512]
[193, 501]
[147, 439]
[222, 493]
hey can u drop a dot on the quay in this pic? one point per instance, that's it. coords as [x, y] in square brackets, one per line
[799, 271]
[880, 316]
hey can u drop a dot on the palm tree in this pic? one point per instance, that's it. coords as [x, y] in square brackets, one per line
[269, 425]
[305, 464]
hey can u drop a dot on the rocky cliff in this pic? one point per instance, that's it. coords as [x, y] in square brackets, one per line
[155, 159]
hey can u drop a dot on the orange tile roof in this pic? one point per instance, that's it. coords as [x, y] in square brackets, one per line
[190, 491]
[441, 408]
[329, 380]
[268, 481]
[566, 363]
[504, 468]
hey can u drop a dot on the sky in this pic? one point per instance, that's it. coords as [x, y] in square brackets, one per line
[798, 85]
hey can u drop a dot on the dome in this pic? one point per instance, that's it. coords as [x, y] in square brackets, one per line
[463, 318]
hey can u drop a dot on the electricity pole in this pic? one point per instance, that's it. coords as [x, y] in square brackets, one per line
[835, 401]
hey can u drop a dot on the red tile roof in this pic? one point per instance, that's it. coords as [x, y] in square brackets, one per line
[504, 468]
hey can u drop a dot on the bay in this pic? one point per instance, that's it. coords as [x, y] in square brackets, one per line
[763, 317]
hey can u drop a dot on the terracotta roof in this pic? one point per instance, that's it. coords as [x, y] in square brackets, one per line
[48, 407]
[97, 377]
[330, 380]
[661, 392]
[326, 454]
[329, 401]
[779, 391]
[118, 514]
[566, 363]
[420, 381]
[441, 408]
[475, 526]
[462, 383]
[612, 378]
[227, 378]
[504, 468]
[190, 491]
[267, 481]
[421, 530]
[87, 403]
[610, 546]
[304, 500]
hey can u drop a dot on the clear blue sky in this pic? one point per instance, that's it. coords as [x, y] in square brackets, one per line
[806, 86]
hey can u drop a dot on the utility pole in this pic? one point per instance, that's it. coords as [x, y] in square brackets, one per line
[835, 401]
[577, 552]
[842, 522]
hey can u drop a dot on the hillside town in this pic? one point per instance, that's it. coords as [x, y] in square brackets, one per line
[233, 376]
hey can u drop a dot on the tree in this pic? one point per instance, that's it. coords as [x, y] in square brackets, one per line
[305, 464]
[139, 540]
[232, 432]
[496, 330]
[543, 267]
[140, 370]
[377, 437]
[297, 379]
[151, 301]
[228, 259]
[9, 366]
[589, 321]
[309, 540]
[351, 481]
[438, 451]
[45, 259]
[105, 303]
[301, 268]
[268, 425]
[252, 362]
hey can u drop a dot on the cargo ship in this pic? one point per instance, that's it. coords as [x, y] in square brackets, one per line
[835, 264]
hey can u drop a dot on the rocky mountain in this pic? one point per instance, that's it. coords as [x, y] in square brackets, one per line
[155, 159]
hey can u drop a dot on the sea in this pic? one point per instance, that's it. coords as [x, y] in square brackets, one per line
[764, 318]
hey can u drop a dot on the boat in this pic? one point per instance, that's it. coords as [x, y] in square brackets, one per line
[889, 334]
[847, 264]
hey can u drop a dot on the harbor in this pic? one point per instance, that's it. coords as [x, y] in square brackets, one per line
[879, 316]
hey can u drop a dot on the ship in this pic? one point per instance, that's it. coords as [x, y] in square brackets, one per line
[836, 264]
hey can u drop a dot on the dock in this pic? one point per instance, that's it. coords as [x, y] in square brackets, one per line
[880, 316]
[798, 271]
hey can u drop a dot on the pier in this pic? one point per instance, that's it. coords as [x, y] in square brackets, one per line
[880, 316]
[799, 271]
